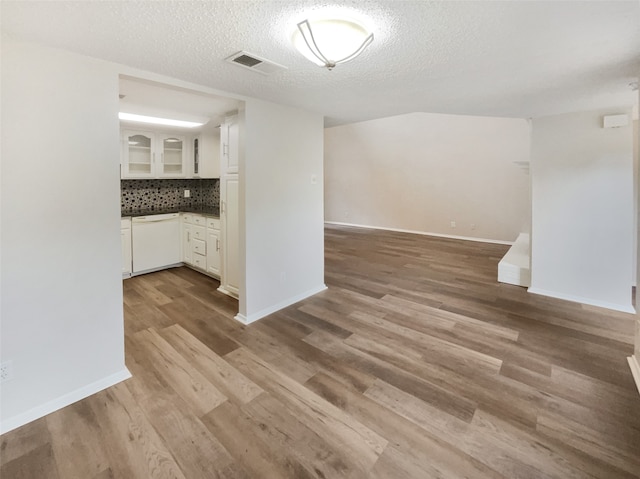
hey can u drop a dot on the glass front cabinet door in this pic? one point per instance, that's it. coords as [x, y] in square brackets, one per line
[153, 155]
[138, 154]
[172, 156]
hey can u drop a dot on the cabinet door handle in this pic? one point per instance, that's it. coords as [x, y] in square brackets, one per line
[161, 157]
[154, 157]
[188, 237]
[217, 244]
[225, 149]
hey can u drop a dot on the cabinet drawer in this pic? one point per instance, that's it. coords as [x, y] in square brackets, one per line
[187, 218]
[213, 223]
[199, 232]
[199, 261]
[199, 247]
[198, 220]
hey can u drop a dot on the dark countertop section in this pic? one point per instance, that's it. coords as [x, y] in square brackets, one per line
[206, 211]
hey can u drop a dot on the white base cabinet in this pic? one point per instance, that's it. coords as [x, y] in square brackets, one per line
[187, 247]
[229, 214]
[213, 246]
[199, 246]
[125, 238]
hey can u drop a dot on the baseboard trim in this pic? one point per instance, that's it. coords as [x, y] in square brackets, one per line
[635, 370]
[42, 410]
[578, 299]
[224, 290]
[423, 233]
[277, 307]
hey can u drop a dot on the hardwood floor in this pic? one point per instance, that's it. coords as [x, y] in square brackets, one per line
[415, 363]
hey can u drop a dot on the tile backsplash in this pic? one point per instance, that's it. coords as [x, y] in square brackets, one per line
[147, 196]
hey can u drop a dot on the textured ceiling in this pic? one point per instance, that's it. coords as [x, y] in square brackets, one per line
[512, 59]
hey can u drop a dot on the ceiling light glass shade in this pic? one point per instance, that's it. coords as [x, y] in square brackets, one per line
[330, 42]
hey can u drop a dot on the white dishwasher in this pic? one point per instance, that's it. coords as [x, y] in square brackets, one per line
[155, 242]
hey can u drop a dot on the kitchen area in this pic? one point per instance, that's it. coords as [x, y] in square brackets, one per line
[179, 181]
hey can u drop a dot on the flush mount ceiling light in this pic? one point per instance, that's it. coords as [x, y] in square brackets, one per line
[329, 42]
[158, 121]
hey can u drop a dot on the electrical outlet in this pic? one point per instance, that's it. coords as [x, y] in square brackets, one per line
[473, 226]
[6, 371]
[453, 224]
[187, 193]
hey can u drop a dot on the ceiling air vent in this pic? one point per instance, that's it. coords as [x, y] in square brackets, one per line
[255, 63]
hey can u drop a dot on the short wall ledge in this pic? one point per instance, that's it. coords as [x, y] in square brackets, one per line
[635, 370]
[513, 268]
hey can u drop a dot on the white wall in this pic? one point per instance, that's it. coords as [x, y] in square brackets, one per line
[636, 165]
[281, 191]
[582, 216]
[421, 171]
[62, 320]
[636, 154]
[62, 315]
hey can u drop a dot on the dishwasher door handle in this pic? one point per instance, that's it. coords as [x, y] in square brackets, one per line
[155, 218]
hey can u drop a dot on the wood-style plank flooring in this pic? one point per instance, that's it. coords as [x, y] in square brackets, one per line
[415, 363]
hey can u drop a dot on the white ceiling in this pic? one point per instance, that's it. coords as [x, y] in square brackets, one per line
[512, 59]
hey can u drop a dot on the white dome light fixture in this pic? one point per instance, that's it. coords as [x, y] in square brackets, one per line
[330, 42]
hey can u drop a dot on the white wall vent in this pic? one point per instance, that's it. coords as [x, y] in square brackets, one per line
[255, 63]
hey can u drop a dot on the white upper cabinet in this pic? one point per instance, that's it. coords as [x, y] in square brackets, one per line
[229, 145]
[153, 155]
[138, 152]
[205, 155]
[194, 162]
[172, 156]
